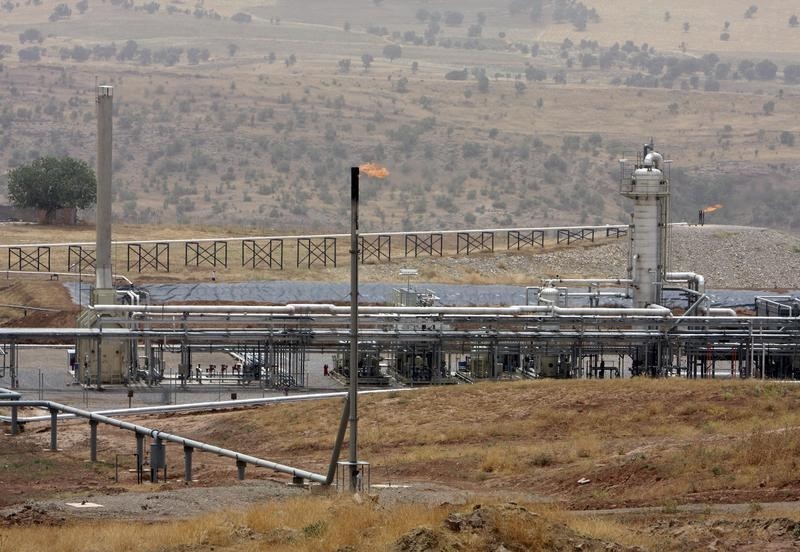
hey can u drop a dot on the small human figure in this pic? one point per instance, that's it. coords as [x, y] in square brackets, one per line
[701, 217]
[223, 370]
[211, 369]
[199, 374]
[213, 275]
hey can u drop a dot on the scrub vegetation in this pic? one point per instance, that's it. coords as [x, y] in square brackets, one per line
[505, 113]
[661, 444]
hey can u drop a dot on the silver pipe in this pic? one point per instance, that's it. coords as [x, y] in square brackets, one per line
[719, 311]
[156, 434]
[314, 309]
[699, 279]
[620, 294]
[209, 405]
[610, 281]
[8, 394]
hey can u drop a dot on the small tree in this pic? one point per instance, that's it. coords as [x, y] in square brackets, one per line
[61, 11]
[453, 18]
[366, 60]
[241, 17]
[52, 183]
[31, 35]
[791, 73]
[392, 51]
[766, 70]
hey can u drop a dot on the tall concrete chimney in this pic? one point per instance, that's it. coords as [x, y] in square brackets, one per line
[103, 220]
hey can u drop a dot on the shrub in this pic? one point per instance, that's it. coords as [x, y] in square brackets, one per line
[241, 17]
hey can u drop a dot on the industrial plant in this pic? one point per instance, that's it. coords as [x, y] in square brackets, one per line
[606, 326]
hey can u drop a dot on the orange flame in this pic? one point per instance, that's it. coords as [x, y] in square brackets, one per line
[712, 208]
[373, 170]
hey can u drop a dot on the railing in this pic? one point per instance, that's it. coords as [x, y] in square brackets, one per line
[269, 252]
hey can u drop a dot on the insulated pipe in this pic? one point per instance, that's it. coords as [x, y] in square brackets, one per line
[610, 281]
[329, 309]
[698, 279]
[212, 405]
[620, 294]
[720, 311]
[8, 394]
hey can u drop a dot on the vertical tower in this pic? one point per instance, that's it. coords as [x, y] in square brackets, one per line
[103, 222]
[648, 187]
[102, 360]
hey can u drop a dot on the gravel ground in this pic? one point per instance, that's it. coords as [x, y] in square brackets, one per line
[736, 257]
[158, 503]
[730, 257]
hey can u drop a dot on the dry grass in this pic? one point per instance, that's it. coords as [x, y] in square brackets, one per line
[640, 442]
[303, 524]
[16, 295]
[327, 523]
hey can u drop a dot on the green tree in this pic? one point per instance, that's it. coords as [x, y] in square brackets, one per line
[366, 60]
[52, 183]
[392, 51]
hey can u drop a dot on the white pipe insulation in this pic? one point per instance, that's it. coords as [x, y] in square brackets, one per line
[313, 309]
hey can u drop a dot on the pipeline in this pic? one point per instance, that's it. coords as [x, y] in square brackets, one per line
[185, 442]
[315, 309]
[203, 406]
[605, 281]
[9, 395]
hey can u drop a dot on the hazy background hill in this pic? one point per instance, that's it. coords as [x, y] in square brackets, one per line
[508, 112]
